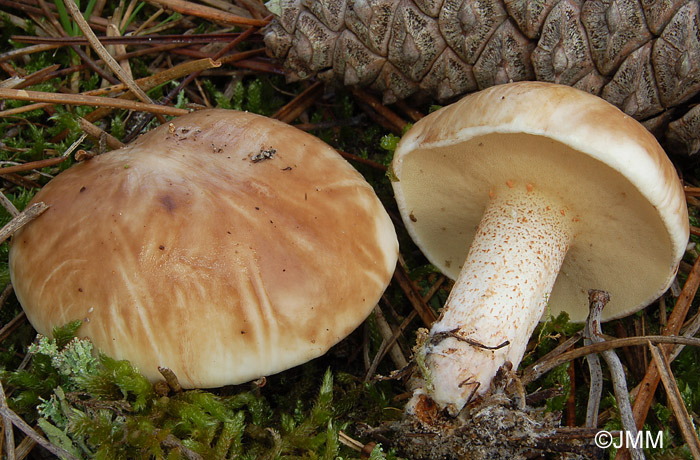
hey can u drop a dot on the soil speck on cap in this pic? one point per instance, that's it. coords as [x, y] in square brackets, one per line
[264, 154]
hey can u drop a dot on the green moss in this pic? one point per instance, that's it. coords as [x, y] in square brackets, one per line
[104, 408]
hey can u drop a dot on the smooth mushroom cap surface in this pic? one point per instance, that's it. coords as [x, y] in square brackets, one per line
[225, 246]
[618, 186]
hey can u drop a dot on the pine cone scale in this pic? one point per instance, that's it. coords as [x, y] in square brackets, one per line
[641, 55]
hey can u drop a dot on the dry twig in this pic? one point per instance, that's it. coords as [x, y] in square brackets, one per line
[79, 99]
[10, 327]
[299, 104]
[595, 389]
[97, 133]
[388, 345]
[409, 288]
[7, 204]
[598, 300]
[646, 389]
[43, 163]
[22, 219]
[9, 416]
[212, 14]
[674, 397]
[386, 117]
[543, 366]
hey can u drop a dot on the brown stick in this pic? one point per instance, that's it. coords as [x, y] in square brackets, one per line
[33, 165]
[409, 288]
[22, 219]
[642, 402]
[16, 420]
[212, 14]
[10, 327]
[25, 51]
[674, 397]
[190, 39]
[543, 366]
[598, 300]
[300, 103]
[79, 99]
[36, 77]
[97, 133]
[397, 122]
[359, 159]
[148, 83]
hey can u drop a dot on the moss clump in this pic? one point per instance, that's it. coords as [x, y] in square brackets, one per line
[94, 406]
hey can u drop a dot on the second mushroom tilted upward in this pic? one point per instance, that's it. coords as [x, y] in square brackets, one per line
[556, 191]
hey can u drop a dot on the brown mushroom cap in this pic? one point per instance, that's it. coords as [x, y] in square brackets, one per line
[225, 246]
[618, 186]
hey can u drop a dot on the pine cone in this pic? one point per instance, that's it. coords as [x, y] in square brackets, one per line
[641, 55]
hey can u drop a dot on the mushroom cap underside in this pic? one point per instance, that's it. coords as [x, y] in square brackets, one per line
[225, 247]
[617, 185]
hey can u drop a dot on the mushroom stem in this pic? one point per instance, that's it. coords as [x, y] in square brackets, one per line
[500, 294]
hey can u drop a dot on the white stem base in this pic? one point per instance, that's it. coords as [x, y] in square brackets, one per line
[500, 294]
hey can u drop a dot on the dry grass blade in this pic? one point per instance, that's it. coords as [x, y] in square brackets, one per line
[103, 53]
[674, 397]
[207, 12]
[80, 99]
